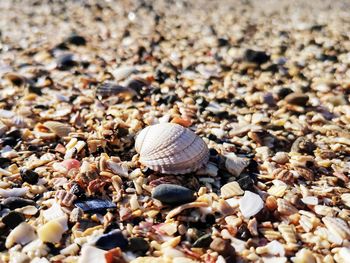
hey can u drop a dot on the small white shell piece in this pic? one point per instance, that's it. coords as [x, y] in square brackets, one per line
[171, 148]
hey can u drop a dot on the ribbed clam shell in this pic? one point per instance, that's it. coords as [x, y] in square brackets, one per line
[288, 233]
[58, 128]
[171, 148]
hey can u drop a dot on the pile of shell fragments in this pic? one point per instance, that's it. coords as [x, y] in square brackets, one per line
[174, 131]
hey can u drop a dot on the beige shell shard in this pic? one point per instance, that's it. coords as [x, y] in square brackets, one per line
[171, 148]
[58, 128]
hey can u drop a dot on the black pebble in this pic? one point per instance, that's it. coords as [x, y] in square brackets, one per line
[13, 219]
[111, 240]
[4, 162]
[243, 232]
[203, 242]
[65, 62]
[76, 40]
[161, 76]
[29, 176]
[173, 194]
[283, 92]
[138, 245]
[245, 182]
[258, 57]
[16, 202]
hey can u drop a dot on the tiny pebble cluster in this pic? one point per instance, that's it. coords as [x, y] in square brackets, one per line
[174, 131]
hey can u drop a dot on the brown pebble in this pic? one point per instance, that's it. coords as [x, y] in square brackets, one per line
[298, 99]
[271, 203]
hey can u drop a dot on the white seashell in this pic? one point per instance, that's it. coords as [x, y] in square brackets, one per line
[28, 210]
[250, 204]
[346, 199]
[343, 255]
[230, 190]
[58, 128]
[310, 200]
[337, 227]
[22, 234]
[90, 254]
[53, 212]
[234, 164]
[171, 148]
[13, 192]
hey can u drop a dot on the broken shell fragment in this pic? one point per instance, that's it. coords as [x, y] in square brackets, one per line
[171, 148]
[250, 204]
[231, 189]
[22, 234]
[58, 128]
[234, 164]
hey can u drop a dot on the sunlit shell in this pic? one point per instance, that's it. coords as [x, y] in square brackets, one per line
[231, 189]
[288, 233]
[285, 208]
[337, 227]
[22, 234]
[234, 164]
[171, 148]
[58, 128]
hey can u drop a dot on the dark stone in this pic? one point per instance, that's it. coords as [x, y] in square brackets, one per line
[243, 232]
[283, 92]
[65, 62]
[13, 219]
[203, 242]
[95, 205]
[16, 202]
[245, 182]
[223, 42]
[111, 240]
[210, 219]
[161, 76]
[240, 103]
[298, 99]
[138, 245]
[29, 176]
[10, 141]
[224, 248]
[77, 190]
[4, 162]
[113, 225]
[258, 57]
[76, 40]
[173, 194]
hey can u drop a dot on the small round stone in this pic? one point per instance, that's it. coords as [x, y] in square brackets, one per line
[173, 194]
[111, 240]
